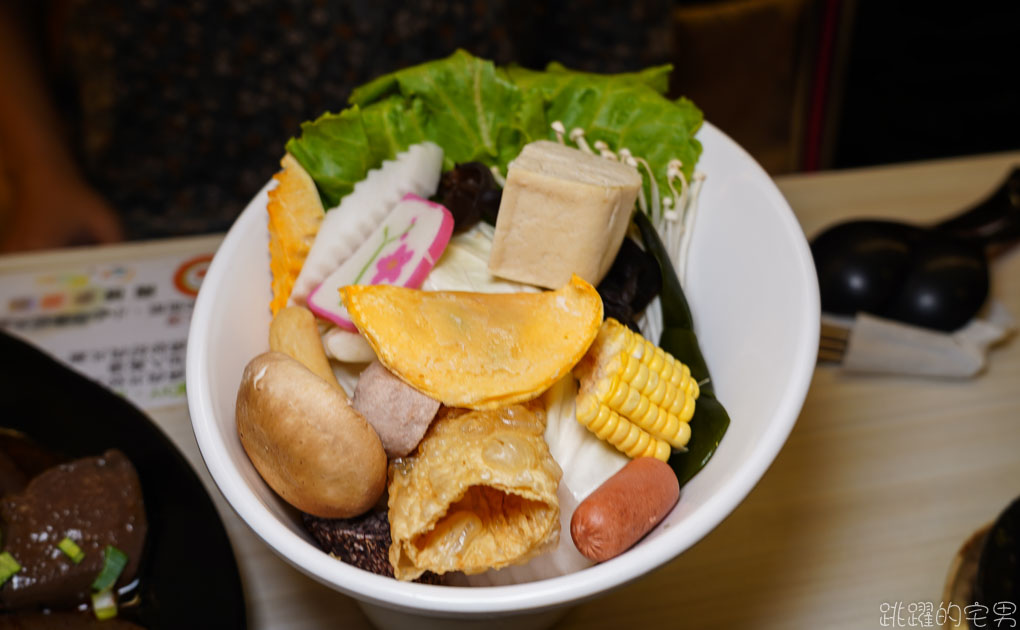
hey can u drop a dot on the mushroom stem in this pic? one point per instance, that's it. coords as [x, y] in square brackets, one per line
[577, 137]
[675, 228]
[629, 160]
[668, 213]
[688, 228]
[674, 170]
[653, 187]
[604, 150]
[559, 130]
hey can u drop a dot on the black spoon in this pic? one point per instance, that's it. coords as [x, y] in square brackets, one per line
[936, 276]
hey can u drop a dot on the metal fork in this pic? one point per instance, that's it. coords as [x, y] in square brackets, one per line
[832, 344]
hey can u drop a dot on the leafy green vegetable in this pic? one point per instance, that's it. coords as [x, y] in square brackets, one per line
[710, 419]
[622, 111]
[656, 77]
[690, 113]
[479, 112]
[336, 149]
[467, 105]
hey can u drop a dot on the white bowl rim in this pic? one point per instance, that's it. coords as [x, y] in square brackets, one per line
[518, 598]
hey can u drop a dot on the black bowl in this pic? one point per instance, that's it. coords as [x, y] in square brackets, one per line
[188, 575]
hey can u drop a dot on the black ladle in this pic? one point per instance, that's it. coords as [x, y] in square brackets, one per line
[936, 277]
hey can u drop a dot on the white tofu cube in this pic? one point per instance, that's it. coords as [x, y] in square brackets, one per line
[563, 211]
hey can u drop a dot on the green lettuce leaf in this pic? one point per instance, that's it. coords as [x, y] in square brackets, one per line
[623, 111]
[656, 77]
[392, 125]
[690, 114]
[336, 152]
[464, 104]
[480, 112]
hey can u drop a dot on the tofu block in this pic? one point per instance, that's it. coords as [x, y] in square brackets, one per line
[563, 211]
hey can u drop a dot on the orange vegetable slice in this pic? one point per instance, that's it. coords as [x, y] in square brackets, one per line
[295, 212]
[477, 350]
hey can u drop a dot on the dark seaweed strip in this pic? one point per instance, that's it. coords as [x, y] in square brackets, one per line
[710, 419]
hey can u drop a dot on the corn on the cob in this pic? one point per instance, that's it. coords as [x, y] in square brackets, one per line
[633, 394]
[611, 427]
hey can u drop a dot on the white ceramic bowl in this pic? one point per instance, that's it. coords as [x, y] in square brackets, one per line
[754, 296]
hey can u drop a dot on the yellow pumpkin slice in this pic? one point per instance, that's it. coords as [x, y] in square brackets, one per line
[477, 350]
[295, 212]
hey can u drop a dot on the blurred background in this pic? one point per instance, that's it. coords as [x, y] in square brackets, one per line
[176, 113]
[819, 84]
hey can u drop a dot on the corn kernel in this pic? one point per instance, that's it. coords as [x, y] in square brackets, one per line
[618, 431]
[634, 394]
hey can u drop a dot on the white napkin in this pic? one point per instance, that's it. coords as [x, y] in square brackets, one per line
[880, 345]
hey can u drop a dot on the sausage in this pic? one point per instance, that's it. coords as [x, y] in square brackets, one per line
[623, 509]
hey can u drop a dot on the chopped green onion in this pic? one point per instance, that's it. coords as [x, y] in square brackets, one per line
[114, 561]
[8, 567]
[104, 605]
[71, 550]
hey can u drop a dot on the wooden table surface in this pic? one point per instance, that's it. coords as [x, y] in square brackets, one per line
[881, 481]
